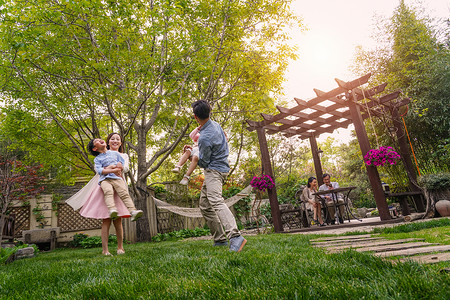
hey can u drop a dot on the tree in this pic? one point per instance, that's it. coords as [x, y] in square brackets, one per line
[18, 182]
[136, 66]
[413, 56]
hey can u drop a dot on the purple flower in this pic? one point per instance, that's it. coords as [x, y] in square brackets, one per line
[381, 156]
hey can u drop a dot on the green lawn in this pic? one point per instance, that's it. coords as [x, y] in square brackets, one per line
[276, 266]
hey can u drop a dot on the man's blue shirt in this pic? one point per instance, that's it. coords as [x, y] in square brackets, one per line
[106, 159]
[213, 148]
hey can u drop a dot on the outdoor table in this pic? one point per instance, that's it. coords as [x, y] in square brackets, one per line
[345, 191]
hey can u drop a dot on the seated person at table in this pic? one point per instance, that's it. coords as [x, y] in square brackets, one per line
[328, 185]
[310, 200]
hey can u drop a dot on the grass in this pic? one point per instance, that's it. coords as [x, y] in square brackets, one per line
[276, 266]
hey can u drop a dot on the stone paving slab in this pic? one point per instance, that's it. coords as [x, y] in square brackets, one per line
[376, 243]
[429, 258]
[414, 251]
[385, 248]
[342, 242]
[337, 238]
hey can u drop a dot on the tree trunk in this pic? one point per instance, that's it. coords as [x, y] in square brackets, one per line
[2, 223]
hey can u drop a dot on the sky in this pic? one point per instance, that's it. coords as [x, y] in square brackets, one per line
[326, 49]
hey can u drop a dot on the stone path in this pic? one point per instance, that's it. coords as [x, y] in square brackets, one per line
[412, 248]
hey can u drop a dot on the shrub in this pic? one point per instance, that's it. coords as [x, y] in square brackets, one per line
[85, 241]
[77, 239]
[436, 182]
[363, 199]
[181, 234]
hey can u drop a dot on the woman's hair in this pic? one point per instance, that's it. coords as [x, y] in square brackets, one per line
[310, 179]
[109, 137]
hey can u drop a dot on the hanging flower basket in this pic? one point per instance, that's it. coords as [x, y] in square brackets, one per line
[381, 156]
[262, 183]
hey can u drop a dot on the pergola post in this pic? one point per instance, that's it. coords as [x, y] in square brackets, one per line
[316, 159]
[267, 170]
[404, 152]
[364, 144]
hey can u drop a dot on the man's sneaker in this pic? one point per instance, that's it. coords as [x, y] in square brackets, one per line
[221, 243]
[136, 214]
[237, 243]
[185, 180]
[341, 221]
[113, 214]
[176, 169]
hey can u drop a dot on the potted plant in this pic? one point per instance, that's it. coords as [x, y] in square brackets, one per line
[381, 156]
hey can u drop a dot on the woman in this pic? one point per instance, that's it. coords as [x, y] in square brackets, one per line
[310, 201]
[91, 200]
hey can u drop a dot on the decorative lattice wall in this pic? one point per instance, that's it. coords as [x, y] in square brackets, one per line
[70, 220]
[22, 219]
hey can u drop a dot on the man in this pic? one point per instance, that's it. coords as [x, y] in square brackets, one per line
[328, 185]
[213, 158]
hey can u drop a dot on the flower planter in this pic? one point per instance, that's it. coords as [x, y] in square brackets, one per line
[381, 156]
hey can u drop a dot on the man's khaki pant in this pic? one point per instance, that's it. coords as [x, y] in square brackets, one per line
[109, 186]
[214, 209]
[332, 210]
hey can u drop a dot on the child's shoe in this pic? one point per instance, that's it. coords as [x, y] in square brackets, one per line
[136, 214]
[113, 214]
[120, 251]
[185, 180]
[176, 169]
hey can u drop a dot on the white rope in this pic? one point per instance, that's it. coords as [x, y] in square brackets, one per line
[195, 212]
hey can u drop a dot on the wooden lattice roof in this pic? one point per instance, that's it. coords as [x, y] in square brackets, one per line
[314, 117]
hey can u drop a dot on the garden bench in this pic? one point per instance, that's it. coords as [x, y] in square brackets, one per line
[39, 236]
[402, 199]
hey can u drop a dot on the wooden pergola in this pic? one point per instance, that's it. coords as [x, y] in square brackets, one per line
[327, 112]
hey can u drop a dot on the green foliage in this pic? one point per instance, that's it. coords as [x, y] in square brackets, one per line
[56, 200]
[435, 182]
[413, 56]
[180, 234]
[363, 200]
[77, 70]
[84, 241]
[39, 215]
[265, 210]
[159, 190]
[96, 241]
[287, 187]
[243, 207]
[5, 253]
[77, 239]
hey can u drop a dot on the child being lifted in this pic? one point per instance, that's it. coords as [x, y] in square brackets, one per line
[190, 153]
[109, 165]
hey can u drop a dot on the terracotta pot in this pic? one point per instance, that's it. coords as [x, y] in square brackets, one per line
[443, 208]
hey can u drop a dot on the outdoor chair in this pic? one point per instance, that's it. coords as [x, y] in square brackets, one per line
[306, 214]
[290, 216]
